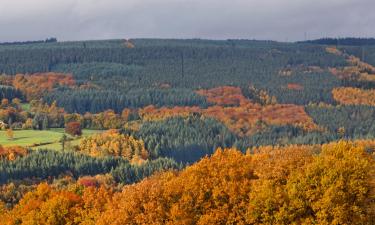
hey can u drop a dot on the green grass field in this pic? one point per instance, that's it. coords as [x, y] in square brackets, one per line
[48, 139]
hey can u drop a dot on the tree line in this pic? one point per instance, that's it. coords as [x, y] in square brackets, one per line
[43, 164]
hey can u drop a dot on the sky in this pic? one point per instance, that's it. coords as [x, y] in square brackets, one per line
[281, 20]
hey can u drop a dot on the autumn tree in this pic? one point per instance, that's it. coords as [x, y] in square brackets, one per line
[275, 185]
[115, 144]
[204, 193]
[354, 96]
[35, 85]
[45, 206]
[73, 128]
[335, 188]
[12, 152]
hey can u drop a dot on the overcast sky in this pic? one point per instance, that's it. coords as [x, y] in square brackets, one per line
[283, 20]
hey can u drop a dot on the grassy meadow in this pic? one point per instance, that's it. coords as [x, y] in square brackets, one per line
[46, 139]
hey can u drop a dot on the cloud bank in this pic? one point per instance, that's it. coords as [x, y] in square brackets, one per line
[283, 20]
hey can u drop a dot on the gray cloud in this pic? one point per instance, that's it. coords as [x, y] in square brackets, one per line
[217, 19]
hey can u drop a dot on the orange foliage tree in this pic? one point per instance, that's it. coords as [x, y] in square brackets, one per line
[237, 112]
[288, 185]
[48, 205]
[34, 85]
[275, 186]
[354, 96]
[214, 191]
[12, 152]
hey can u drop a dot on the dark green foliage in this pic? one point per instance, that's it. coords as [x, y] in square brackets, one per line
[358, 121]
[43, 164]
[342, 41]
[189, 139]
[100, 100]
[284, 135]
[97, 71]
[48, 40]
[317, 87]
[184, 139]
[365, 53]
[189, 64]
[10, 93]
[358, 84]
[42, 121]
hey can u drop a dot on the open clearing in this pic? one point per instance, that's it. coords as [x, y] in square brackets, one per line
[42, 138]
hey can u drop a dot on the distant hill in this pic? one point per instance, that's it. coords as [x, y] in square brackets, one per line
[342, 41]
[48, 40]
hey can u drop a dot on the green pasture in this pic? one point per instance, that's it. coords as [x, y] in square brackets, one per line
[47, 139]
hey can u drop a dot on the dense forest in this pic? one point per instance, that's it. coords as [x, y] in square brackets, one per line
[342, 41]
[167, 131]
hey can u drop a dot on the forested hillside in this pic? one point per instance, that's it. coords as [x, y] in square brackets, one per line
[132, 132]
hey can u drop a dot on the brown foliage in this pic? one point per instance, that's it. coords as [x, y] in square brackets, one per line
[73, 128]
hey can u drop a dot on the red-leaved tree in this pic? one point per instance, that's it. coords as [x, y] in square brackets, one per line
[73, 128]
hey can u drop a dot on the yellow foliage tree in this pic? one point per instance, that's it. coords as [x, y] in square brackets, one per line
[334, 188]
[115, 144]
[354, 96]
